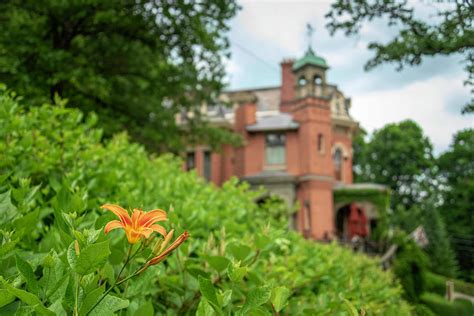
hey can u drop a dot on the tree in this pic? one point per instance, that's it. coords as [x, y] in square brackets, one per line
[457, 172]
[442, 256]
[137, 64]
[359, 148]
[400, 156]
[450, 32]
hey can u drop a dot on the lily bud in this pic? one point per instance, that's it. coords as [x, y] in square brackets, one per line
[157, 247]
[166, 241]
[162, 256]
[76, 247]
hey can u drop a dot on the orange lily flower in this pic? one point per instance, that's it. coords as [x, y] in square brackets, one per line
[141, 224]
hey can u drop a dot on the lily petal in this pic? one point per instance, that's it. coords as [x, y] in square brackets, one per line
[132, 235]
[112, 225]
[159, 229]
[146, 232]
[151, 217]
[120, 212]
[137, 214]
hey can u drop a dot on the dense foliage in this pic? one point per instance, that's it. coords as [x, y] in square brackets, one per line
[401, 156]
[137, 64]
[55, 173]
[457, 172]
[446, 29]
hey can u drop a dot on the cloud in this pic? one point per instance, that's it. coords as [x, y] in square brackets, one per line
[423, 101]
[266, 32]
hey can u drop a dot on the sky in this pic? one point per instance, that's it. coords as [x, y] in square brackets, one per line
[265, 32]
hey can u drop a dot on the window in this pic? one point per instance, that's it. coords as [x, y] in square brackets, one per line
[307, 218]
[190, 160]
[275, 149]
[318, 80]
[321, 143]
[302, 81]
[338, 164]
[207, 165]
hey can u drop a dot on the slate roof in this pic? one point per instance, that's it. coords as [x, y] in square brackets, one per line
[278, 122]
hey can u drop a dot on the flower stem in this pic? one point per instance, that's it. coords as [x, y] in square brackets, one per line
[127, 260]
[76, 305]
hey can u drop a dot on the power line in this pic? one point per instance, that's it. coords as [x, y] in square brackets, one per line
[249, 52]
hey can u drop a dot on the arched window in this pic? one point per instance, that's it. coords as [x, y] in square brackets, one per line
[302, 81]
[338, 164]
[317, 80]
[321, 143]
[307, 219]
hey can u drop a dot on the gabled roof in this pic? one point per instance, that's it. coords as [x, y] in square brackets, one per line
[310, 58]
[278, 122]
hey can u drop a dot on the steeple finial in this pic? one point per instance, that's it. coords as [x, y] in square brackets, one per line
[309, 33]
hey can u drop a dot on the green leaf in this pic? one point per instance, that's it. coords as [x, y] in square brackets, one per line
[227, 297]
[109, 305]
[5, 297]
[255, 298]
[279, 297]
[91, 299]
[92, 257]
[8, 211]
[219, 263]
[72, 256]
[262, 241]
[240, 252]
[59, 289]
[204, 308]
[209, 292]
[258, 311]
[27, 272]
[57, 308]
[27, 298]
[350, 308]
[146, 309]
[236, 273]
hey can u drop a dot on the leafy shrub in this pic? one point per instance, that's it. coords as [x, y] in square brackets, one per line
[410, 266]
[437, 283]
[440, 306]
[55, 173]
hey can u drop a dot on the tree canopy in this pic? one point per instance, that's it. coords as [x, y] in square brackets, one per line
[137, 64]
[398, 155]
[457, 172]
[450, 31]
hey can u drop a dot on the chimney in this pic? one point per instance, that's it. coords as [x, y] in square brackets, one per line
[287, 81]
[246, 112]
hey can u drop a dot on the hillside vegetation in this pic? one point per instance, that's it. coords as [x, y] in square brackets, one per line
[56, 172]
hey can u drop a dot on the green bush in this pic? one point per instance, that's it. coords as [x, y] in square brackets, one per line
[55, 259]
[410, 267]
[437, 283]
[440, 306]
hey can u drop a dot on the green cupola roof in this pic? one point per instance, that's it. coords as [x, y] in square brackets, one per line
[310, 58]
